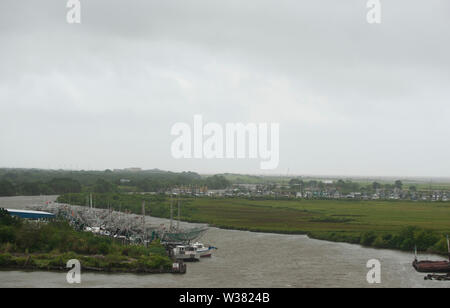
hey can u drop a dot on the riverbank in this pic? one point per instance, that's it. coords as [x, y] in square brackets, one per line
[98, 264]
[49, 245]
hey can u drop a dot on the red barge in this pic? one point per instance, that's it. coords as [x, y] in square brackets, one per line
[433, 266]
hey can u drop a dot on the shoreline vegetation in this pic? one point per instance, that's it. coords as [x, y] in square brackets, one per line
[398, 225]
[34, 245]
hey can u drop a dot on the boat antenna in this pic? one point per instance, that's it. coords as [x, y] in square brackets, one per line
[415, 252]
[448, 247]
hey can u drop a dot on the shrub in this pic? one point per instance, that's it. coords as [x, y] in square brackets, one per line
[368, 238]
[5, 259]
[440, 246]
[7, 234]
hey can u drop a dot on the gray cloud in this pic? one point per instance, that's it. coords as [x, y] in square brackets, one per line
[351, 98]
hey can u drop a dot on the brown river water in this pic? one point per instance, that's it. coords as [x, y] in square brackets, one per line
[249, 259]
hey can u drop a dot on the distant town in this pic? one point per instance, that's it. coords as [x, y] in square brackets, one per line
[339, 189]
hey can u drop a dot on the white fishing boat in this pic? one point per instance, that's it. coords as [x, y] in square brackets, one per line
[186, 253]
[204, 251]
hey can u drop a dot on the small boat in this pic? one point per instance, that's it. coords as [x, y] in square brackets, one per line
[433, 266]
[203, 250]
[186, 253]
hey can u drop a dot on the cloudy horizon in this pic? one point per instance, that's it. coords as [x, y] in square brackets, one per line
[351, 98]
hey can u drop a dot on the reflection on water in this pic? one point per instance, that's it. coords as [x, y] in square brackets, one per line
[247, 259]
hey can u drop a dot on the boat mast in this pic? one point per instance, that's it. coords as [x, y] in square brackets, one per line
[143, 223]
[171, 212]
[178, 222]
[448, 247]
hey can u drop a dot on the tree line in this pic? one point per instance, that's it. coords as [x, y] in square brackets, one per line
[51, 182]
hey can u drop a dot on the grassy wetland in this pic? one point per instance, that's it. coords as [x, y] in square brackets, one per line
[381, 224]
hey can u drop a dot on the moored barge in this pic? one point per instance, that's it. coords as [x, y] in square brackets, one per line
[433, 266]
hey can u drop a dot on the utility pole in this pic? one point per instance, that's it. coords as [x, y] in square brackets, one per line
[178, 222]
[171, 212]
[143, 223]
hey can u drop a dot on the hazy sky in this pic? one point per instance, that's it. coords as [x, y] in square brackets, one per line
[351, 98]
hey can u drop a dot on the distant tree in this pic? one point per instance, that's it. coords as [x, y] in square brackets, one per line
[30, 189]
[217, 182]
[347, 186]
[7, 188]
[398, 184]
[413, 188]
[321, 185]
[376, 185]
[11, 176]
[313, 183]
[297, 184]
[102, 186]
[65, 185]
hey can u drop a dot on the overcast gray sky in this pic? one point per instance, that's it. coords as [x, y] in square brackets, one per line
[351, 98]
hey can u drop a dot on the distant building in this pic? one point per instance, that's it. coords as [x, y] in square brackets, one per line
[133, 169]
[30, 214]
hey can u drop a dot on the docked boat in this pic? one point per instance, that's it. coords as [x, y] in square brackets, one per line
[186, 253]
[433, 266]
[205, 251]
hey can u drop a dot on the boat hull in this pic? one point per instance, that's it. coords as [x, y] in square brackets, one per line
[188, 258]
[432, 266]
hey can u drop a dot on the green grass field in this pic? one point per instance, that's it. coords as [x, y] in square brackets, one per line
[383, 224]
[320, 215]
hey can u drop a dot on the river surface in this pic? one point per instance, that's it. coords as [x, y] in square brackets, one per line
[249, 259]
